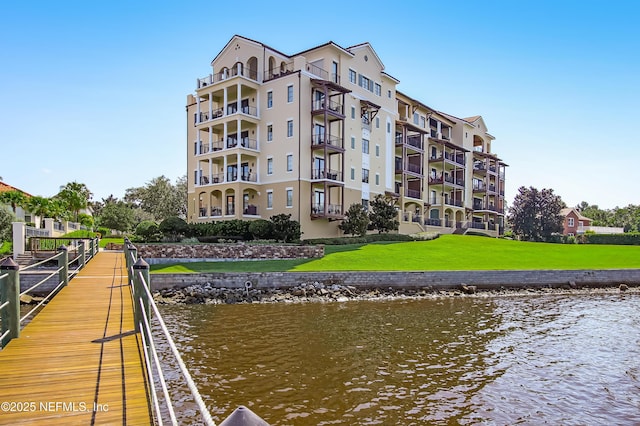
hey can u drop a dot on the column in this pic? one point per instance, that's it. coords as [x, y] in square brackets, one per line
[19, 238]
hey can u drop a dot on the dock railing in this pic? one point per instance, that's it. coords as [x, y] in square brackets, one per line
[10, 293]
[146, 312]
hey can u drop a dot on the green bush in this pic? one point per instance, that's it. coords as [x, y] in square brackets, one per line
[630, 238]
[370, 238]
[173, 228]
[261, 229]
[148, 231]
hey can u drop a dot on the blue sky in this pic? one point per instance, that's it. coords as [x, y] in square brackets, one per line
[95, 92]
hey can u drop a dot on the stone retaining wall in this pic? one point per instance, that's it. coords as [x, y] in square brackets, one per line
[169, 253]
[487, 280]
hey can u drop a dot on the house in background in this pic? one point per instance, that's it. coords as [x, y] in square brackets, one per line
[577, 224]
[21, 214]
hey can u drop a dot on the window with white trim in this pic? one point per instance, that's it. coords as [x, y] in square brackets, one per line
[289, 197]
[269, 99]
[365, 175]
[270, 199]
[352, 76]
[570, 222]
[270, 166]
[289, 162]
[289, 128]
[269, 132]
[290, 93]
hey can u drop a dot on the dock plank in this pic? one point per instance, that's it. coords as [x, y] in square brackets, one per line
[79, 361]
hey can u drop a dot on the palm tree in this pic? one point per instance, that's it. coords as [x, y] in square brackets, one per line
[14, 198]
[40, 206]
[75, 197]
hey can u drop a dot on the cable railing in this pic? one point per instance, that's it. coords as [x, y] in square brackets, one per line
[145, 310]
[10, 293]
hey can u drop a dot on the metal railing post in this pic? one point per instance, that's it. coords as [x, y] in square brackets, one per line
[91, 253]
[140, 278]
[10, 292]
[63, 264]
[82, 261]
[96, 245]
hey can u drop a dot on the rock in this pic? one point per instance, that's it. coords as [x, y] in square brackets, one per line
[298, 292]
[468, 289]
[25, 298]
[623, 287]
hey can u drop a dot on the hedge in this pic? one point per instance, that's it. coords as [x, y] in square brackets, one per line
[629, 238]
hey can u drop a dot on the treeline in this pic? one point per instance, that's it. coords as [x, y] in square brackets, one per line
[627, 217]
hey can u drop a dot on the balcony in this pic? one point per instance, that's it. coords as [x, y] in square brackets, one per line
[204, 147]
[454, 158]
[414, 141]
[242, 142]
[479, 206]
[321, 105]
[250, 210]
[215, 178]
[215, 212]
[412, 193]
[274, 73]
[479, 187]
[455, 203]
[212, 79]
[449, 179]
[318, 140]
[321, 174]
[332, 210]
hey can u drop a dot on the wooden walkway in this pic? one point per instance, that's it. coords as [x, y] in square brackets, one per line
[79, 360]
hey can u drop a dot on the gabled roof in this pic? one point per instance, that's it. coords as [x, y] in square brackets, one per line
[363, 46]
[6, 188]
[566, 211]
[230, 42]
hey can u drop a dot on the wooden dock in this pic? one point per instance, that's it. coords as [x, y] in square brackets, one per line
[79, 361]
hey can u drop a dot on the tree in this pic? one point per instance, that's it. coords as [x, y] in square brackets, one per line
[285, 229]
[117, 215]
[173, 227]
[14, 198]
[356, 221]
[160, 198]
[6, 228]
[74, 197]
[384, 214]
[535, 215]
[148, 231]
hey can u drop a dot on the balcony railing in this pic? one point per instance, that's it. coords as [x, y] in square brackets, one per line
[414, 168]
[456, 203]
[215, 178]
[281, 71]
[225, 74]
[317, 71]
[317, 174]
[479, 187]
[249, 177]
[321, 105]
[332, 209]
[415, 141]
[319, 139]
[243, 142]
[456, 158]
[203, 116]
[250, 210]
[413, 193]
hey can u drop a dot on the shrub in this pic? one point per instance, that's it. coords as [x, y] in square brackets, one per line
[630, 238]
[148, 231]
[173, 228]
[261, 229]
[285, 229]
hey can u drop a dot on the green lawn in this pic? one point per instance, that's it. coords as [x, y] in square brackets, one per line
[449, 252]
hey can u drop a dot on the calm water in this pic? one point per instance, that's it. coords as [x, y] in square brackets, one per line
[571, 359]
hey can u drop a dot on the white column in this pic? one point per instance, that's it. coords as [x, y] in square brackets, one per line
[238, 164]
[224, 170]
[19, 238]
[210, 171]
[210, 106]
[210, 138]
[225, 134]
[225, 99]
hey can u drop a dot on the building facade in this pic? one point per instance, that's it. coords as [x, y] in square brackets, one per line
[312, 133]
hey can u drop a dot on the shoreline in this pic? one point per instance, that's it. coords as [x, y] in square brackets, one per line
[335, 293]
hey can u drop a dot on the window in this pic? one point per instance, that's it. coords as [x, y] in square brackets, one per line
[269, 199]
[389, 93]
[377, 178]
[289, 162]
[580, 224]
[365, 83]
[334, 72]
[365, 205]
[365, 175]
[416, 118]
[289, 197]
[290, 93]
[365, 146]
[269, 166]
[269, 99]
[352, 76]
[353, 142]
[377, 89]
[353, 112]
[290, 128]
[423, 123]
[388, 127]
[269, 132]
[377, 150]
[570, 222]
[377, 122]
[353, 173]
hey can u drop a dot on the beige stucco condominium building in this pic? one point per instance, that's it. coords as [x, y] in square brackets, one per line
[310, 134]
